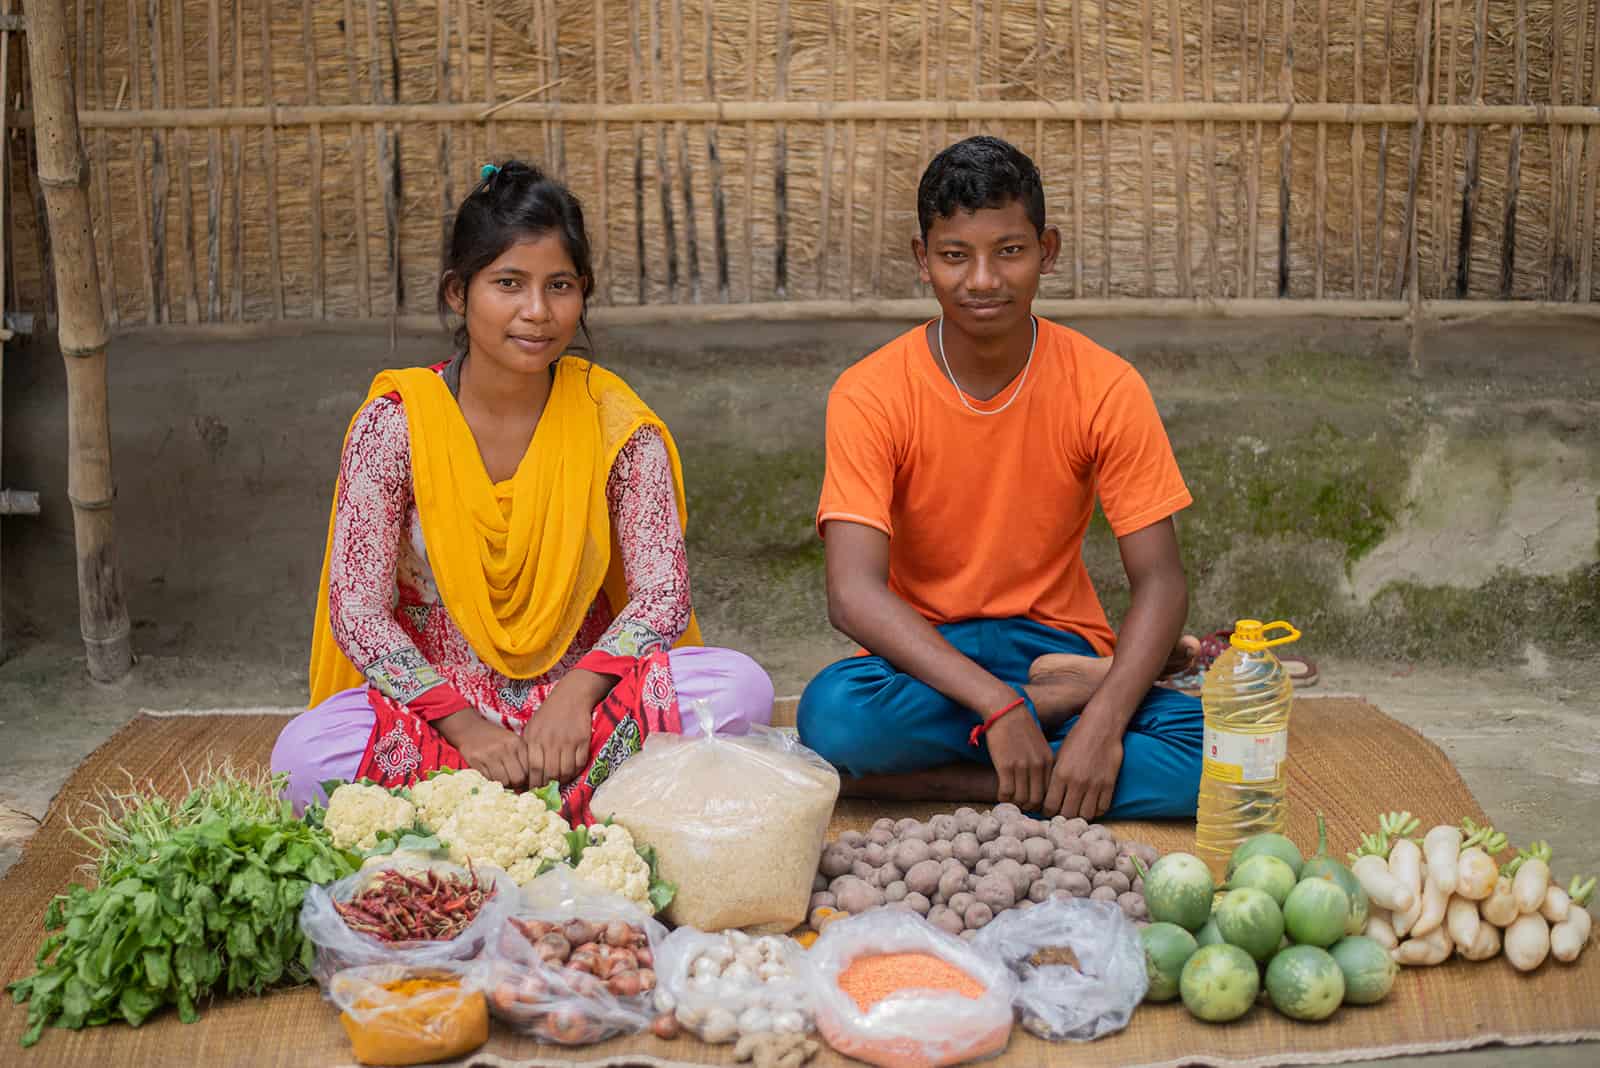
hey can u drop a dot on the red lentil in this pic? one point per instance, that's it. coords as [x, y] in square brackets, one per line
[868, 980]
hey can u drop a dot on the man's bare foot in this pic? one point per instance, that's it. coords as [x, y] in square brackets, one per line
[1060, 684]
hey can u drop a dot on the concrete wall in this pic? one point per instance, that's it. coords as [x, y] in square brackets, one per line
[1453, 518]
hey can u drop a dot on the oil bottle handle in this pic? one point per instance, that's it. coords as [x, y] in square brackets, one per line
[1284, 639]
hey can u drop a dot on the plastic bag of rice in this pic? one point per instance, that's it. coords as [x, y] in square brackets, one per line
[737, 823]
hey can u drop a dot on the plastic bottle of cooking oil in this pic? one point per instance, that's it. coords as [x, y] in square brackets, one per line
[1245, 697]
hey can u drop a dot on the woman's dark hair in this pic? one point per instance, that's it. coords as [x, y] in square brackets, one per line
[512, 203]
[980, 172]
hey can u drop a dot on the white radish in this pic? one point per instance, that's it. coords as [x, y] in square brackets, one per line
[1405, 864]
[1527, 942]
[1556, 905]
[1485, 946]
[1476, 873]
[1380, 930]
[1434, 901]
[1384, 890]
[1442, 847]
[1433, 948]
[1500, 907]
[1462, 920]
[1568, 937]
[1532, 880]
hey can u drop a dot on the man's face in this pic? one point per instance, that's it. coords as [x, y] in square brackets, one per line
[984, 266]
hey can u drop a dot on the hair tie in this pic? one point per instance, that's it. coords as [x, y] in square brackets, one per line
[489, 170]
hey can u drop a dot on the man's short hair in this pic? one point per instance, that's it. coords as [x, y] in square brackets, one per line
[979, 172]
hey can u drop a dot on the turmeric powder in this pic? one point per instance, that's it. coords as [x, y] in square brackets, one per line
[416, 1020]
[868, 980]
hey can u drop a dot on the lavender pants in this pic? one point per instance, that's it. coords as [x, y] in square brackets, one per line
[328, 741]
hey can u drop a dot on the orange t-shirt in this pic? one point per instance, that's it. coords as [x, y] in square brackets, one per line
[986, 514]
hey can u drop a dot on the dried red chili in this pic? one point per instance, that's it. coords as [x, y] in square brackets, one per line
[397, 907]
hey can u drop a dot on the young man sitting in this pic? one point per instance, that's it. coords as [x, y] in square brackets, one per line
[963, 463]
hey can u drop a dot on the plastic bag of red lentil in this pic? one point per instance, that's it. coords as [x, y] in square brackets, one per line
[891, 989]
[476, 901]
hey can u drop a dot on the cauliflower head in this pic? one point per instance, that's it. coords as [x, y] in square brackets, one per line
[359, 812]
[611, 861]
[502, 828]
[437, 798]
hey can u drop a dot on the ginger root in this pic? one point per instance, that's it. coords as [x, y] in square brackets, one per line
[775, 1050]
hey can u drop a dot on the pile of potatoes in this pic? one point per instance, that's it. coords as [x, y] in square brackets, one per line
[962, 869]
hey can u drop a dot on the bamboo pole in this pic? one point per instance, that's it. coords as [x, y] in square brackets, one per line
[552, 46]
[1147, 47]
[491, 146]
[388, 162]
[1253, 156]
[941, 22]
[319, 307]
[237, 185]
[442, 74]
[269, 154]
[1105, 159]
[880, 180]
[216, 179]
[41, 217]
[1285, 147]
[669, 229]
[1576, 224]
[1078, 183]
[141, 196]
[159, 181]
[1469, 189]
[1443, 182]
[1555, 262]
[922, 80]
[189, 280]
[825, 205]
[1380, 244]
[102, 609]
[1041, 40]
[101, 168]
[818, 111]
[1590, 180]
[1508, 248]
[752, 50]
[1320, 177]
[1413, 261]
[850, 149]
[1358, 157]
[603, 151]
[780, 163]
[915, 309]
[975, 52]
[719, 207]
[1209, 158]
[358, 161]
[685, 171]
[641, 277]
[1180, 147]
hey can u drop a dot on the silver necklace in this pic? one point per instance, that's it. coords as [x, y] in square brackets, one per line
[1021, 381]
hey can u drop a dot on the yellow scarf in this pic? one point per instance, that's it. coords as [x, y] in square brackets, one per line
[517, 563]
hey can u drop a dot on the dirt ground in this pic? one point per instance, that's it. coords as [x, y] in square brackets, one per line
[225, 454]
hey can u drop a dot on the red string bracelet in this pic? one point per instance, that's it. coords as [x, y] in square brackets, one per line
[983, 727]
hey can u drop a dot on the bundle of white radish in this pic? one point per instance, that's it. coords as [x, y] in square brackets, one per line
[1451, 896]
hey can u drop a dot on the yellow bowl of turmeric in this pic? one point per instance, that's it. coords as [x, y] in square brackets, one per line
[397, 1016]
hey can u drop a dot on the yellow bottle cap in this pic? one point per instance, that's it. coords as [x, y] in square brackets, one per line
[1251, 635]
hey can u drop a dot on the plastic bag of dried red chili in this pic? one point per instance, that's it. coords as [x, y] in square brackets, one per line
[406, 912]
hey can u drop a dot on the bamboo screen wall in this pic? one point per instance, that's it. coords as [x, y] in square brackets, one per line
[295, 160]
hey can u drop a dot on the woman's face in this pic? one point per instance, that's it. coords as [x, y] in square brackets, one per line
[523, 309]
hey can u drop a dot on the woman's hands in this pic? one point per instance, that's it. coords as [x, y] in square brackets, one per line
[556, 739]
[491, 750]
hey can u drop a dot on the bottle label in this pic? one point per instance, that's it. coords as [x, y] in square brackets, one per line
[1240, 758]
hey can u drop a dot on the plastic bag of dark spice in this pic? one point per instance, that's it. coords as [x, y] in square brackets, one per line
[573, 964]
[406, 912]
[1079, 965]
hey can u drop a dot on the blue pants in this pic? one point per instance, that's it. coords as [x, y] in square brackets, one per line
[866, 718]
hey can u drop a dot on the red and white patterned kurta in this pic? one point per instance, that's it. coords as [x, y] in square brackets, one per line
[385, 607]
